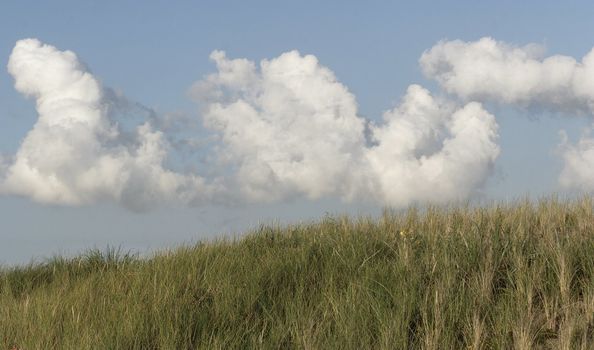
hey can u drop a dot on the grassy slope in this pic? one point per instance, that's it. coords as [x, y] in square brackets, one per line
[496, 277]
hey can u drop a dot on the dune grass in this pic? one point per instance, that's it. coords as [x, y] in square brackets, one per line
[498, 277]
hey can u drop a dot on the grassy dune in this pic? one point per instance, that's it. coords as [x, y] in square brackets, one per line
[499, 277]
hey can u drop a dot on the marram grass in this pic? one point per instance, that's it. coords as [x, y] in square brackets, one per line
[499, 277]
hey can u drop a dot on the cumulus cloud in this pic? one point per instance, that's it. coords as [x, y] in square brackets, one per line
[428, 150]
[578, 159]
[520, 75]
[489, 70]
[290, 128]
[282, 129]
[74, 153]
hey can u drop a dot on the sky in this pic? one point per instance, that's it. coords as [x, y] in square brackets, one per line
[145, 126]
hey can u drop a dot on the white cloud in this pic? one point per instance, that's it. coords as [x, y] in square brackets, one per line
[283, 129]
[75, 154]
[290, 128]
[489, 70]
[578, 159]
[493, 70]
[430, 151]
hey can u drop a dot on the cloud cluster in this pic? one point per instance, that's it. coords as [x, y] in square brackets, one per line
[290, 128]
[284, 128]
[75, 154]
[489, 70]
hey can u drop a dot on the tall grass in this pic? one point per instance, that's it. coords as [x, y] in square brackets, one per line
[500, 277]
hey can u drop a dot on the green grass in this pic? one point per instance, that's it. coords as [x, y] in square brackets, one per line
[499, 277]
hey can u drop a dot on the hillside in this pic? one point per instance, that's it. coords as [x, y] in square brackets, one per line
[503, 276]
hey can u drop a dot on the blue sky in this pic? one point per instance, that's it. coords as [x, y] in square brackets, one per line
[154, 51]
